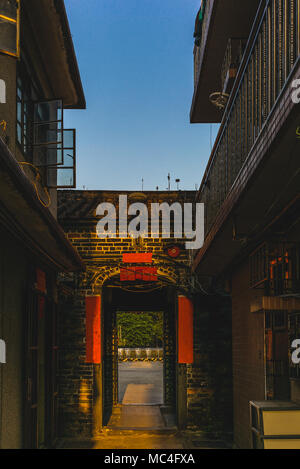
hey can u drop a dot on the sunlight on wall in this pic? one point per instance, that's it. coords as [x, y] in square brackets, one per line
[84, 395]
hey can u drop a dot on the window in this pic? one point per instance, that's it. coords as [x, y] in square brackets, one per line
[48, 133]
[10, 27]
[54, 147]
[23, 115]
[64, 176]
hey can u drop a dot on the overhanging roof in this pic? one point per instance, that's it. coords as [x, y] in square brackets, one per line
[49, 23]
[29, 221]
[226, 19]
[267, 185]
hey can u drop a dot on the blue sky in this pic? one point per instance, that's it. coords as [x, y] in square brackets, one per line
[136, 63]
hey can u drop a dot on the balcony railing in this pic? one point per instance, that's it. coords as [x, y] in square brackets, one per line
[233, 57]
[270, 55]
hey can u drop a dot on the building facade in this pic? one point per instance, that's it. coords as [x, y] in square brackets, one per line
[39, 78]
[247, 70]
[126, 274]
[151, 280]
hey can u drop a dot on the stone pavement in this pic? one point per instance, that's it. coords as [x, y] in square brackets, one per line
[139, 423]
[145, 417]
[133, 439]
[143, 427]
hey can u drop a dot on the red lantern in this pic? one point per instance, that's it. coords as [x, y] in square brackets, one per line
[173, 251]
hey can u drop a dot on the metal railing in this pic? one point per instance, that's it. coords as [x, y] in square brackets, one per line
[232, 59]
[271, 53]
[140, 354]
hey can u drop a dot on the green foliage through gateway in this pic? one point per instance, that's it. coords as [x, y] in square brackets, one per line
[140, 329]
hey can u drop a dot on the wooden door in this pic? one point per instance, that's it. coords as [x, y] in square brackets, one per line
[31, 371]
[52, 362]
[110, 364]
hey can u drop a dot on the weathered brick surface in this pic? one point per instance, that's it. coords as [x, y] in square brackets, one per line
[210, 378]
[103, 259]
[76, 377]
[248, 353]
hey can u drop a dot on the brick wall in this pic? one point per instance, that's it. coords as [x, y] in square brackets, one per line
[103, 259]
[210, 378]
[76, 381]
[248, 353]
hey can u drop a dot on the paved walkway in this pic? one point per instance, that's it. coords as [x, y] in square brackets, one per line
[137, 417]
[142, 427]
[126, 440]
[141, 383]
[114, 439]
[139, 424]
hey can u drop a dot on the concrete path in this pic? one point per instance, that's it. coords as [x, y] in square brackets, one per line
[126, 440]
[141, 383]
[137, 417]
[139, 426]
[139, 440]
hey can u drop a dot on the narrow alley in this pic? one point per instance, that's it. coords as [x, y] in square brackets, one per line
[149, 225]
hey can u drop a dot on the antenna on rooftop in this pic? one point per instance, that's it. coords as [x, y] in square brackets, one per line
[169, 182]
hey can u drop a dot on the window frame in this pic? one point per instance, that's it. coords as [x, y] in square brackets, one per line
[17, 23]
[62, 168]
[55, 145]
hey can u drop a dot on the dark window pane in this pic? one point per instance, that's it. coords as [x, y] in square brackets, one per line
[19, 133]
[8, 36]
[48, 155]
[8, 8]
[46, 134]
[48, 111]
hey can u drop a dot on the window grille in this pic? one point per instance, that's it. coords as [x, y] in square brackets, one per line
[276, 269]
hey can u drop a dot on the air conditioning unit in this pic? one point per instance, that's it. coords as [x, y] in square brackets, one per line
[275, 425]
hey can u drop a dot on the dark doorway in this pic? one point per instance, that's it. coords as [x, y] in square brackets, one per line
[140, 358]
[277, 361]
[129, 380]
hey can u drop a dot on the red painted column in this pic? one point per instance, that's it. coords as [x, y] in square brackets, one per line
[93, 329]
[185, 330]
